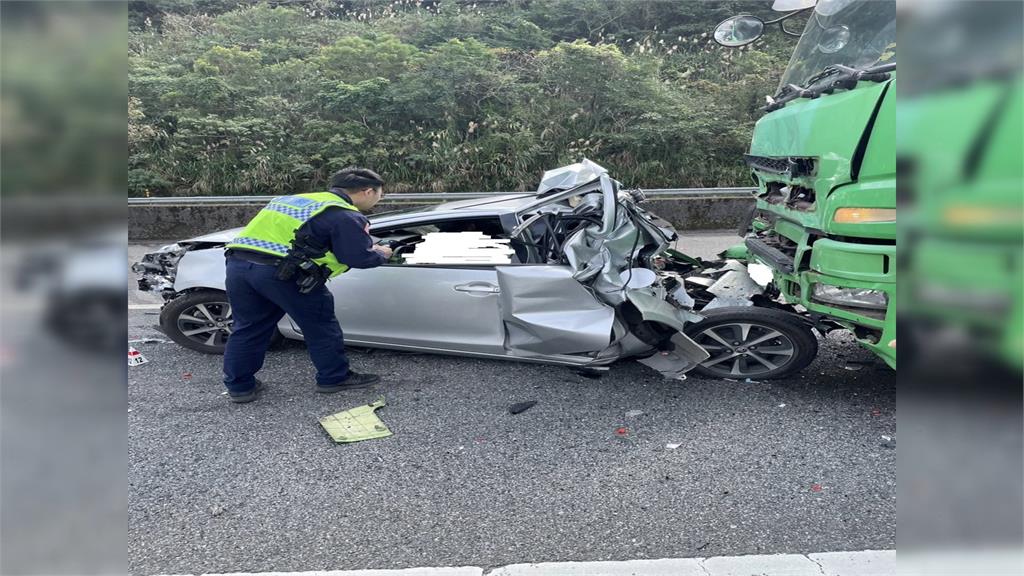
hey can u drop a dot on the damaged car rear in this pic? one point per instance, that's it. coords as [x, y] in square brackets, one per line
[576, 274]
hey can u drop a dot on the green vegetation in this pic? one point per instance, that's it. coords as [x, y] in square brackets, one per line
[237, 97]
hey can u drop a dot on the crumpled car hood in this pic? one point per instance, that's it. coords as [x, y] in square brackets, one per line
[220, 237]
[619, 257]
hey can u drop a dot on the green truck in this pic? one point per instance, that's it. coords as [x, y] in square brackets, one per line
[823, 158]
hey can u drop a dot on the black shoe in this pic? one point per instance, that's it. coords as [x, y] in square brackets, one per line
[249, 396]
[354, 380]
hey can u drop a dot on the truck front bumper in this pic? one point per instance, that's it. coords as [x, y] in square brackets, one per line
[867, 270]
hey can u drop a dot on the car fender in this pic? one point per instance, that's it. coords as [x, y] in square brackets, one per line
[201, 269]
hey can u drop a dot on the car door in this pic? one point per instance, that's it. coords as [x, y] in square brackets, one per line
[434, 307]
[546, 311]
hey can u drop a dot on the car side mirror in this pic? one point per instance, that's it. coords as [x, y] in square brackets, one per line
[739, 30]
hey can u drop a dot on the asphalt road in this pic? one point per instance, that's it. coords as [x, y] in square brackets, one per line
[806, 464]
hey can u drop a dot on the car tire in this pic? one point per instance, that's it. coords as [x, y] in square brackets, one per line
[752, 342]
[180, 321]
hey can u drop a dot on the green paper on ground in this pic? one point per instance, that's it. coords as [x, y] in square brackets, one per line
[357, 424]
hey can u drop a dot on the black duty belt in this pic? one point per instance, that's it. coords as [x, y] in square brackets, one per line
[254, 257]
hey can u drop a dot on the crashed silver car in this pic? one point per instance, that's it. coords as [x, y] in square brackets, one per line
[576, 274]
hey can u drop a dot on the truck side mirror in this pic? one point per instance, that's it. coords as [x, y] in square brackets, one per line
[739, 30]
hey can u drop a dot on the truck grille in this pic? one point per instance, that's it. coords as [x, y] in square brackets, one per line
[791, 166]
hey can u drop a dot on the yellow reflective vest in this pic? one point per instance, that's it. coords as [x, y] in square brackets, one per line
[273, 229]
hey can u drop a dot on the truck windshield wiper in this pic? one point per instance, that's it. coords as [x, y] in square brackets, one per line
[838, 77]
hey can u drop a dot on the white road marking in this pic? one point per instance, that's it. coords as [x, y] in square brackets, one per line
[861, 563]
[145, 306]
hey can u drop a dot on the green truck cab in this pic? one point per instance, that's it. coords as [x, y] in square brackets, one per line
[823, 158]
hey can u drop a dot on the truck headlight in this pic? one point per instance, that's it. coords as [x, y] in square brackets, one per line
[858, 297]
[858, 215]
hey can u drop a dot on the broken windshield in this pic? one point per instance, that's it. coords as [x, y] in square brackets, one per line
[853, 33]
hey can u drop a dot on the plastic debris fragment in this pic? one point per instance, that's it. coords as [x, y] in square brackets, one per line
[521, 407]
[357, 424]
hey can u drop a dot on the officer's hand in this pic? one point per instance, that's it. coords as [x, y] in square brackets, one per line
[384, 250]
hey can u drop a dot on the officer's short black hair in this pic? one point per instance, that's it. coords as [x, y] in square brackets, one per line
[356, 179]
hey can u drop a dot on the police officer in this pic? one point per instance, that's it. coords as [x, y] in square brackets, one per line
[278, 265]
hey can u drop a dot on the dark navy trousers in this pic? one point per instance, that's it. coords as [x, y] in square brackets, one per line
[258, 302]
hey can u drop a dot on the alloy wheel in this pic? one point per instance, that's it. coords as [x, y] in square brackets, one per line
[207, 323]
[744, 349]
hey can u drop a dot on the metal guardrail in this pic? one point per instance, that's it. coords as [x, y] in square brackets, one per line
[434, 196]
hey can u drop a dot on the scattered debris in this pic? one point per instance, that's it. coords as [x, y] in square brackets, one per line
[621, 431]
[760, 273]
[703, 546]
[734, 288]
[783, 405]
[886, 438]
[135, 357]
[216, 510]
[816, 488]
[853, 367]
[634, 413]
[876, 412]
[750, 381]
[360, 423]
[672, 446]
[521, 407]
[187, 376]
[149, 341]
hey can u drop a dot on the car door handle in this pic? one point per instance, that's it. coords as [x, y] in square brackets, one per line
[478, 288]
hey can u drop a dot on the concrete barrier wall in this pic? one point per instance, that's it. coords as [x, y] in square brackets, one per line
[180, 221]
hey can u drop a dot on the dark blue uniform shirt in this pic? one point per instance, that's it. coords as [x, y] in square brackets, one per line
[344, 233]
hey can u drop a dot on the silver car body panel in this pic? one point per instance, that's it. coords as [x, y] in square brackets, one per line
[429, 306]
[546, 311]
[570, 176]
[676, 363]
[201, 269]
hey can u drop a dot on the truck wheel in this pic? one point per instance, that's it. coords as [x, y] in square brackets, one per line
[751, 342]
[201, 321]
